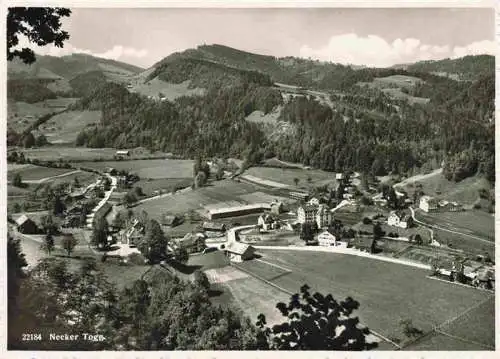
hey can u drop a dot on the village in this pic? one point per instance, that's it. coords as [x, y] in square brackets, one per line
[389, 227]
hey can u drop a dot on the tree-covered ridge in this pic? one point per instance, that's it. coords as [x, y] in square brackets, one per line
[85, 84]
[467, 68]
[67, 66]
[322, 75]
[213, 124]
[29, 90]
[206, 74]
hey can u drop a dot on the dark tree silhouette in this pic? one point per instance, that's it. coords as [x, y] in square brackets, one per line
[314, 322]
[40, 25]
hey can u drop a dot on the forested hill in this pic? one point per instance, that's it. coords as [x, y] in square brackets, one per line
[467, 68]
[330, 76]
[373, 120]
[67, 67]
[66, 76]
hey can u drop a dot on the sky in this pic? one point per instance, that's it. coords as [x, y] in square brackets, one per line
[359, 36]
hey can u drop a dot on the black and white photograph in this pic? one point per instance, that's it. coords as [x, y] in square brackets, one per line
[249, 178]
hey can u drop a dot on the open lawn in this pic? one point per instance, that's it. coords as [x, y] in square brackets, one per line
[286, 175]
[376, 285]
[473, 222]
[171, 91]
[32, 172]
[65, 127]
[163, 168]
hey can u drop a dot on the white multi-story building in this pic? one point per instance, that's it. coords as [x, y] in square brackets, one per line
[323, 216]
[306, 214]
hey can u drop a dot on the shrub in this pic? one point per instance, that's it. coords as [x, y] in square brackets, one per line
[367, 220]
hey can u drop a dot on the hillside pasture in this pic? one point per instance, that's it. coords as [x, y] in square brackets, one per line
[285, 176]
[375, 284]
[65, 127]
[171, 91]
[435, 184]
[155, 169]
[263, 118]
[400, 95]
[55, 153]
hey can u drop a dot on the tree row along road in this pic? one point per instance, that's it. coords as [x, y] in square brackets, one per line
[448, 230]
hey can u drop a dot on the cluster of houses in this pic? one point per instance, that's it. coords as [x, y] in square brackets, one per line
[431, 204]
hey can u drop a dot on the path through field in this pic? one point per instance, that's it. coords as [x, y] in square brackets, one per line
[448, 230]
[43, 180]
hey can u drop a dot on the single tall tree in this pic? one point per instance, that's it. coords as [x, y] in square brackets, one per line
[100, 234]
[69, 243]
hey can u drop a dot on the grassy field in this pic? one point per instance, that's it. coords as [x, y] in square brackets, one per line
[287, 175]
[162, 184]
[473, 222]
[32, 172]
[148, 168]
[435, 184]
[64, 128]
[220, 193]
[169, 90]
[376, 284]
[18, 112]
[55, 153]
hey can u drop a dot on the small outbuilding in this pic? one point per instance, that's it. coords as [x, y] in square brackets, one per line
[239, 252]
[26, 225]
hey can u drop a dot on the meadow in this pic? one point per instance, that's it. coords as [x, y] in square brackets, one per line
[286, 176]
[33, 173]
[472, 222]
[387, 292]
[65, 127]
[155, 169]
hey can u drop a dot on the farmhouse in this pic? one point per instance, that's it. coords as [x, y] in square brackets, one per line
[26, 225]
[277, 207]
[122, 153]
[326, 239]
[243, 210]
[239, 252]
[192, 243]
[214, 227]
[171, 220]
[323, 216]
[428, 204]
[400, 219]
[267, 222]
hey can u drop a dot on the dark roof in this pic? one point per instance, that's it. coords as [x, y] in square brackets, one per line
[169, 220]
[214, 225]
